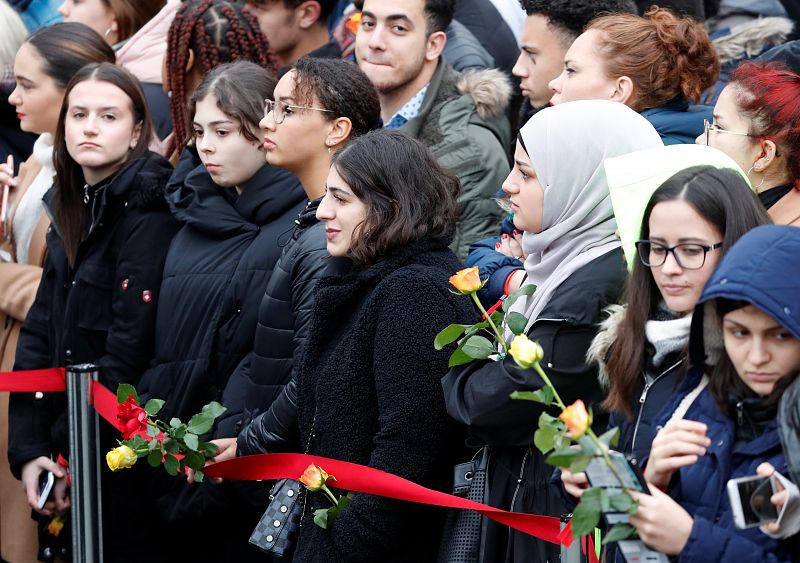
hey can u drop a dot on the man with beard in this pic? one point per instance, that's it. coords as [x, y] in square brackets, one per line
[460, 117]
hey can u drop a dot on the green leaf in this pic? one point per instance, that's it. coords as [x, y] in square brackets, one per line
[195, 460]
[153, 406]
[585, 518]
[179, 432]
[213, 409]
[610, 438]
[458, 358]
[154, 458]
[172, 446]
[591, 498]
[321, 518]
[516, 322]
[175, 422]
[171, 464]
[124, 391]
[546, 419]
[497, 318]
[544, 395]
[200, 423]
[563, 457]
[191, 440]
[545, 438]
[153, 431]
[153, 445]
[588, 446]
[621, 502]
[619, 532]
[449, 335]
[478, 348]
[525, 290]
[579, 464]
[208, 449]
[198, 476]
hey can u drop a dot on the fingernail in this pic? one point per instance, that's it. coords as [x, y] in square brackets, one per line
[516, 232]
[505, 236]
[497, 245]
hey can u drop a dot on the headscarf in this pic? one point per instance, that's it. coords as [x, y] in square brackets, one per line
[567, 145]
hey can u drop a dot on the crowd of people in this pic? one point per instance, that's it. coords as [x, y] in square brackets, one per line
[261, 203]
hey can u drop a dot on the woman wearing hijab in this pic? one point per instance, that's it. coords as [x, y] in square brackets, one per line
[561, 202]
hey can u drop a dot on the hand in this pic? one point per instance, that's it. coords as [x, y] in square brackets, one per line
[662, 523]
[677, 445]
[511, 245]
[226, 450]
[59, 499]
[574, 483]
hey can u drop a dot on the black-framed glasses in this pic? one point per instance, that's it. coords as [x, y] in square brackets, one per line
[688, 255]
[278, 109]
[708, 127]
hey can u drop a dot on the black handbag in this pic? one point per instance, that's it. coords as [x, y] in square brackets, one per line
[277, 530]
[465, 530]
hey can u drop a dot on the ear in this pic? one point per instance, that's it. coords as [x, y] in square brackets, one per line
[339, 132]
[435, 45]
[766, 159]
[623, 92]
[309, 13]
[137, 132]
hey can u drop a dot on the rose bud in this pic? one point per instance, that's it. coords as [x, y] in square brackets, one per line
[122, 457]
[313, 478]
[576, 418]
[467, 281]
[526, 353]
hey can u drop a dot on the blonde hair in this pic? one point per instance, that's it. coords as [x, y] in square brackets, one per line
[13, 36]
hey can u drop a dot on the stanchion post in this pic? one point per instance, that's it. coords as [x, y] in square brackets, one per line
[84, 466]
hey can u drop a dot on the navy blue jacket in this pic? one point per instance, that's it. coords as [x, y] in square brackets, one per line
[492, 264]
[762, 269]
[679, 122]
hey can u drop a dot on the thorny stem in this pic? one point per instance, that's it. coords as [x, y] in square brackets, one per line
[488, 318]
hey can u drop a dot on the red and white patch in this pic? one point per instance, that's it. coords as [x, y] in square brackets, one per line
[124, 284]
[147, 296]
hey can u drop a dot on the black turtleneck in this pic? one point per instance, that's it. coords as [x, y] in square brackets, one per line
[771, 196]
[753, 414]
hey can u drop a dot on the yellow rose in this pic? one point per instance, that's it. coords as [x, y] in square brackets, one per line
[525, 352]
[122, 457]
[467, 280]
[314, 478]
[56, 525]
[576, 418]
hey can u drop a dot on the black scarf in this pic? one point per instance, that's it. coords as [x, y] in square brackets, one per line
[771, 196]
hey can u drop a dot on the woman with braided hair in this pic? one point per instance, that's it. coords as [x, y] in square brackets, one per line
[204, 35]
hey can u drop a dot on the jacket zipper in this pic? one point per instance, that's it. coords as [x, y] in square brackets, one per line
[519, 478]
[643, 398]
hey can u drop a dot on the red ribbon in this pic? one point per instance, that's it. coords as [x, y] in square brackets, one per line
[349, 476]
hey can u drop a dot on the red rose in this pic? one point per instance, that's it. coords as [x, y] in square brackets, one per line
[131, 418]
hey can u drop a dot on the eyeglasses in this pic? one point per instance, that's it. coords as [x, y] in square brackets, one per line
[708, 127]
[279, 108]
[689, 256]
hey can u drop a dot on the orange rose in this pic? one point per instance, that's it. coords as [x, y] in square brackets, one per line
[56, 525]
[353, 23]
[576, 418]
[314, 478]
[467, 280]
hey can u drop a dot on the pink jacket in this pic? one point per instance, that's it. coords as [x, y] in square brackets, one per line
[143, 53]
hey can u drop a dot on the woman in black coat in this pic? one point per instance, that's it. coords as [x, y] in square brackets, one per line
[573, 256]
[100, 285]
[368, 387]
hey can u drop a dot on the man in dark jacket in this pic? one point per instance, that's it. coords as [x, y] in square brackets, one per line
[459, 117]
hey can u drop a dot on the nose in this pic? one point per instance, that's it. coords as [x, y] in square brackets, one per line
[14, 98]
[509, 185]
[90, 125]
[519, 69]
[758, 354]
[555, 84]
[204, 145]
[267, 122]
[325, 209]
[375, 38]
[671, 266]
[62, 9]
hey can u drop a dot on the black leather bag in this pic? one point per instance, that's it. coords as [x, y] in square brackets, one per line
[276, 532]
[465, 530]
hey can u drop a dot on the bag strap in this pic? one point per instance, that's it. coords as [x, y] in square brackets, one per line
[687, 401]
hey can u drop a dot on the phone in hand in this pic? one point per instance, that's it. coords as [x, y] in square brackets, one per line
[750, 501]
[46, 481]
[6, 188]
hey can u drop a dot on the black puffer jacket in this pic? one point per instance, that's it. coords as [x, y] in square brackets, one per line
[103, 311]
[283, 319]
[215, 275]
[369, 392]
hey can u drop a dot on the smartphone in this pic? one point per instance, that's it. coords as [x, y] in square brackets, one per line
[4, 204]
[46, 481]
[750, 501]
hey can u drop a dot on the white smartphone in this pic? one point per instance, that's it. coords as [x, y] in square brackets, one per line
[750, 501]
[46, 481]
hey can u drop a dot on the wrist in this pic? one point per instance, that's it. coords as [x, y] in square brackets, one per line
[513, 281]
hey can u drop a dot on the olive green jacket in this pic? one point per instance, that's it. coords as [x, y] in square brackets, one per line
[462, 120]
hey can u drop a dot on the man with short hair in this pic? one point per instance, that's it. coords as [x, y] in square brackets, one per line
[550, 29]
[460, 117]
[295, 28]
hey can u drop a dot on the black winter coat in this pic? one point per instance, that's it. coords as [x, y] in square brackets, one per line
[478, 396]
[283, 320]
[102, 311]
[214, 278]
[368, 392]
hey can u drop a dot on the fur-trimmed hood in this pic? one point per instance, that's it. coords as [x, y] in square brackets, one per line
[489, 88]
[601, 345]
[752, 38]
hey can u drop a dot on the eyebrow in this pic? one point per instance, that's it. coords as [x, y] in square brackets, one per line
[20, 77]
[531, 50]
[107, 108]
[520, 163]
[391, 17]
[684, 240]
[768, 329]
[340, 190]
[218, 122]
[286, 99]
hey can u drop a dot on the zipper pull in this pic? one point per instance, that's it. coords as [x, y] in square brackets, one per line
[644, 393]
[86, 193]
[740, 413]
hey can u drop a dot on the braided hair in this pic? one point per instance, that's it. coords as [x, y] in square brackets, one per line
[217, 32]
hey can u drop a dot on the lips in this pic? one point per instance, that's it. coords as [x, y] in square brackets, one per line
[672, 289]
[762, 377]
[88, 145]
[330, 234]
[211, 167]
[268, 144]
[20, 116]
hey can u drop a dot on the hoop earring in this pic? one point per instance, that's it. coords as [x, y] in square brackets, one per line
[751, 181]
[107, 33]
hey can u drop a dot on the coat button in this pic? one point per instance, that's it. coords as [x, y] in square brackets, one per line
[290, 493]
[277, 523]
[69, 353]
[787, 310]
[284, 509]
[269, 538]
[74, 282]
